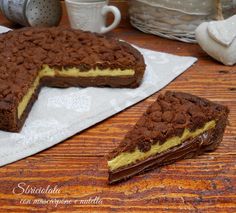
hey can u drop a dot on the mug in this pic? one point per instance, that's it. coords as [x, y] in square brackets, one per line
[91, 15]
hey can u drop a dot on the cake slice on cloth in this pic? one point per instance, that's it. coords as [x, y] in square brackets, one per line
[176, 126]
[59, 57]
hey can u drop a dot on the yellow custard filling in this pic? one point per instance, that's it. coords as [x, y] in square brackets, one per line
[68, 72]
[127, 158]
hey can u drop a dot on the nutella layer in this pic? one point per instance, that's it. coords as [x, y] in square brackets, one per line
[59, 57]
[176, 126]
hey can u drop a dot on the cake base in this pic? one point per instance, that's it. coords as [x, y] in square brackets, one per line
[113, 82]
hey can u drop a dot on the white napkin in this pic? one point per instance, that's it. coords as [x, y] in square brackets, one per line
[61, 113]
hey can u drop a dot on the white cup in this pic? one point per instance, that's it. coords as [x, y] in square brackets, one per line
[91, 15]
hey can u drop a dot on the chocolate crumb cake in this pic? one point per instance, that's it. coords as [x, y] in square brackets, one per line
[59, 57]
[176, 126]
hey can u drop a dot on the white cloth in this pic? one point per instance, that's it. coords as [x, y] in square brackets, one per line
[61, 113]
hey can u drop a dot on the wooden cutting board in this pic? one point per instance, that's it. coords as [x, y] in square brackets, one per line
[77, 167]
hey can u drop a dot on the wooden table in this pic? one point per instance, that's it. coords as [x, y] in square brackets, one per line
[78, 168]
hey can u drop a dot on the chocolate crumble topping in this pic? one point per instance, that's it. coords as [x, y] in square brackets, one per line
[168, 116]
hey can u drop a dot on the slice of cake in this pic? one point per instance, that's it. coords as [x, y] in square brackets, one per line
[59, 57]
[176, 126]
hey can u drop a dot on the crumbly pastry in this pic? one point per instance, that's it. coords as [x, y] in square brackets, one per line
[59, 57]
[176, 126]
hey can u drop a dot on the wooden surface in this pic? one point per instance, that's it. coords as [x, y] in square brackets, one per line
[78, 168]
